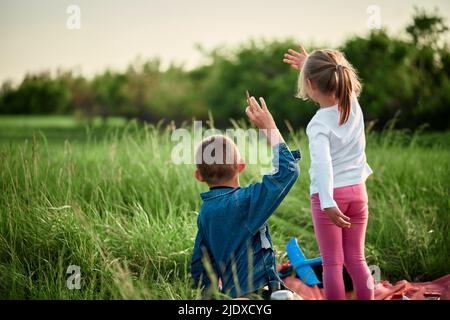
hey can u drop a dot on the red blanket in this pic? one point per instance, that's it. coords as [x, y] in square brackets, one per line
[439, 288]
[384, 290]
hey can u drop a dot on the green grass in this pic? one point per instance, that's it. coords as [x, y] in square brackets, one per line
[56, 128]
[109, 200]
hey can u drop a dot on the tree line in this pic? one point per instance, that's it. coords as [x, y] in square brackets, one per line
[404, 76]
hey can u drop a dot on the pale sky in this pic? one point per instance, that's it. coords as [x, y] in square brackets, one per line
[34, 36]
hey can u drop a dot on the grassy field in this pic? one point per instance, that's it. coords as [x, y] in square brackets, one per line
[109, 200]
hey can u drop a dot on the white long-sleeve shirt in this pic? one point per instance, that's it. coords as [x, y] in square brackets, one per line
[337, 152]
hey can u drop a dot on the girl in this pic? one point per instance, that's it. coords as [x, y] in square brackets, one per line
[338, 168]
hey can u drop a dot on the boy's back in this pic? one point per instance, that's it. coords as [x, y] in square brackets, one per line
[233, 231]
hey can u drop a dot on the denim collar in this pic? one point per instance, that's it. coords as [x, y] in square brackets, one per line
[214, 193]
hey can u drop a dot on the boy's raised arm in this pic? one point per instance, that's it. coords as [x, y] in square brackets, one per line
[268, 194]
[261, 117]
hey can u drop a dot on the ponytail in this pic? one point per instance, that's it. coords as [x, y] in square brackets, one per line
[343, 93]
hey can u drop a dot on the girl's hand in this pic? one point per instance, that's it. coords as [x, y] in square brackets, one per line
[261, 117]
[295, 59]
[338, 218]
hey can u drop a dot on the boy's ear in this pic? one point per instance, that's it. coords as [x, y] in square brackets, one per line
[241, 165]
[198, 176]
[311, 84]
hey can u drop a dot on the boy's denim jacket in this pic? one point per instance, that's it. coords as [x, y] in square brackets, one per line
[233, 235]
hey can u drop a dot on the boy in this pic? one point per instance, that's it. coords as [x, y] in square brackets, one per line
[233, 241]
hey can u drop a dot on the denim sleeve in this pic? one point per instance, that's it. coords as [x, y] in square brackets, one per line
[198, 272]
[267, 195]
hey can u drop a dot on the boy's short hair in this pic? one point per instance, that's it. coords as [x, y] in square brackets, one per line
[217, 159]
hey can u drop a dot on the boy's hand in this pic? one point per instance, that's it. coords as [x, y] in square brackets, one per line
[338, 218]
[295, 59]
[260, 116]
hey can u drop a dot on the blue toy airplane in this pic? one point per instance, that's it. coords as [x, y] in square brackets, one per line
[301, 265]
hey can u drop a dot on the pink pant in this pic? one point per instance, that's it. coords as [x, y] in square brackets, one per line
[340, 246]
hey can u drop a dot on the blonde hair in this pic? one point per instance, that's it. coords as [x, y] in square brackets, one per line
[332, 74]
